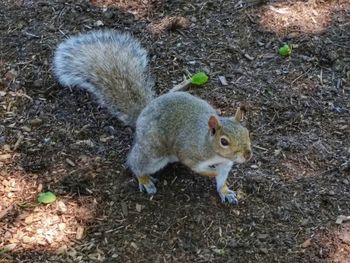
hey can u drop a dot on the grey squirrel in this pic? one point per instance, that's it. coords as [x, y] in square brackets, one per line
[174, 127]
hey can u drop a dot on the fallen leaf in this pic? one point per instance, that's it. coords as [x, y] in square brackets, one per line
[47, 198]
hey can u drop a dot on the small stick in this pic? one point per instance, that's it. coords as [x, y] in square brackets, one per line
[181, 85]
[321, 77]
[260, 148]
[300, 76]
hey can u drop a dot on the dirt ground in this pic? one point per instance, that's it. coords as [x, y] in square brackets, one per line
[294, 195]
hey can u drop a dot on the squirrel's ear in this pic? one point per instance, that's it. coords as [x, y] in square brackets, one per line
[213, 124]
[240, 113]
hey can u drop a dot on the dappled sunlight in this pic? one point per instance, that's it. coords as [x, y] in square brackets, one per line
[47, 227]
[342, 252]
[16, 186]
[139, 8]
[332, 245]
[300, 17]
[27, 225]
[292, 169]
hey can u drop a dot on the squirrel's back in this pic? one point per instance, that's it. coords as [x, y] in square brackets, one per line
[111, 65]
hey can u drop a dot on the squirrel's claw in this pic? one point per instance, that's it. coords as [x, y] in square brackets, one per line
[146, 184]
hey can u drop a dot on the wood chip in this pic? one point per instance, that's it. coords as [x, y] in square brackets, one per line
[61, 207]
[40, 188]
[124, 209]
[247, 56]
[133, 244]
[61, 226]
[35, 122]
[26, 128]
[80, 233]
[98, 23]
[62, 249]
[70, 162]
[4, 212]
[223, 80]
[18, 142]
[138, 208]
[9, 247]
[341, 219]
[168, 23]
[5, 156]
[27, 239]
[29, 219]
[306, 243]
[11, 74]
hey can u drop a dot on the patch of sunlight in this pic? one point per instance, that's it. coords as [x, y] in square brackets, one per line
[27, 225]
[297, 17]
[295, 169]
[139, 9]
[47, 227]
[342, 252]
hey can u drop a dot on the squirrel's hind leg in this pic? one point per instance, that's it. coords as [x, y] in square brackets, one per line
[143, 163]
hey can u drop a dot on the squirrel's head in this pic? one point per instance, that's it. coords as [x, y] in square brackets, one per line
[229, 138]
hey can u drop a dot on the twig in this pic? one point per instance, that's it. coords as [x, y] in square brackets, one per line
[181, 85]
[339, 82]
[260, 148]
[299, 76]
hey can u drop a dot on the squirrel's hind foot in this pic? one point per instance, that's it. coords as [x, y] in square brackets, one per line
[147, 184]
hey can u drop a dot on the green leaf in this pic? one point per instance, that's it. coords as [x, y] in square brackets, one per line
[199, 78]
[285, 50]
[46, 198]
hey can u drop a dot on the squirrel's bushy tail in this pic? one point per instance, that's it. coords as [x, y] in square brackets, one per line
[111, 65]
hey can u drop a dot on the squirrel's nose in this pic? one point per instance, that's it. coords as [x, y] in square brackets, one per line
[247, 155]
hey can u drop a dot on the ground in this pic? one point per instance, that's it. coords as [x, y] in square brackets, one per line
[294, 195]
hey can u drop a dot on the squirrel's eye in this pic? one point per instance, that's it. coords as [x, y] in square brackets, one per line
[224, 142]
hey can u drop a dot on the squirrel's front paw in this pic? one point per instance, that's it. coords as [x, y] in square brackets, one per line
[228, 195]
[146, 184]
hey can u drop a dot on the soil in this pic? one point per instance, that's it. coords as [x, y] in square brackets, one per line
[294, 195]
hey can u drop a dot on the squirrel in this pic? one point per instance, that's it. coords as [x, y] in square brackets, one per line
[173, 127]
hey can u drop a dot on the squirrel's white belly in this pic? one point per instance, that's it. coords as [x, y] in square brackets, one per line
[211, 164]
